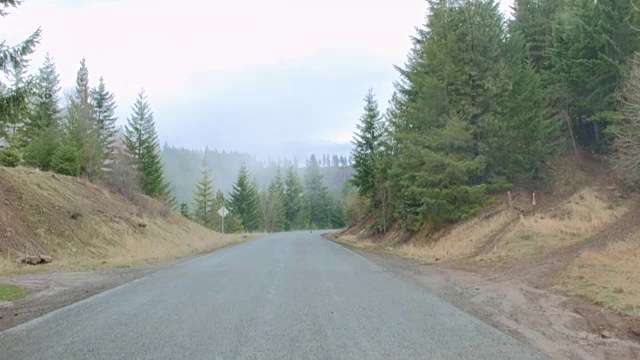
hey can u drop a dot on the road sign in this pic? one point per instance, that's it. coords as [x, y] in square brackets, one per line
[223, 211]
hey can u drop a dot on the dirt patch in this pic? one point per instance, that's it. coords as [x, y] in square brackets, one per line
[55, 288]
[561, 327]
[608, 277]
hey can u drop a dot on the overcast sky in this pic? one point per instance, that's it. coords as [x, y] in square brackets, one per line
[265, 77]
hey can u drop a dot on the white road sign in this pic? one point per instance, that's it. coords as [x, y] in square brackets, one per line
[223, 211]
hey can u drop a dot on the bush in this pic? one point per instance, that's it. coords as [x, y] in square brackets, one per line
[67, 160]
[40, 151]
[10, 157]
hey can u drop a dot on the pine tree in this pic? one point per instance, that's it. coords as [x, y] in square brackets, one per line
[42, 131]
[104, 112]
[67, 159]
[15, 118]
[203, 196]
[81, 130]
[367, 147]
[46, 100]
[593, 43]
[317, 195]
[184, 210]
[272, 205]
[13, 59]
[141, 141]
[293, 201]
[534, 21]
[244, 200]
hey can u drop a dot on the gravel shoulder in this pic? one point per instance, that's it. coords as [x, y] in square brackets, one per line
[558, 326]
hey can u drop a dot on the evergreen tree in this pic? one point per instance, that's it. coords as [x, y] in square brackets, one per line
[203, 211]
[293, 206]
[81, 130]
[67, 159]
[317, 195]
[46, 99]
[272, 205]
[244, 200]
[534, 20]
[13, 59]
[366, 147]
[141, 141]
[593, 42]
[15, 117]
[42, 129]
[184, 210]
[104, 112]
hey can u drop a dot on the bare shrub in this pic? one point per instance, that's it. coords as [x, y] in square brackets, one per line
[121, 174]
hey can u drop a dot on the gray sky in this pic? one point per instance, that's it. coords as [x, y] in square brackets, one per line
[266, 77]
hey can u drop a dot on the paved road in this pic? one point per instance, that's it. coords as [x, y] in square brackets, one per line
[284, 296]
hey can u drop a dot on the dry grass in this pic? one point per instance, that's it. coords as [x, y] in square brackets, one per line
[575, 219]
[462, 241]
[78, 222]
[581, 216]
[609, 277]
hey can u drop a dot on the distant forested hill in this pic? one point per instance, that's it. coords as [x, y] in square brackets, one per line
[182, 169]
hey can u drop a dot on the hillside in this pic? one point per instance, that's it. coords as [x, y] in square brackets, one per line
[583, 242]
[79, 223]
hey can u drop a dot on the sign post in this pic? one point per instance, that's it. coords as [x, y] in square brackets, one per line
[223, 212]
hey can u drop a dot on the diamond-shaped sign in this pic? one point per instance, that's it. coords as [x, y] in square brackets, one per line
[223, 211]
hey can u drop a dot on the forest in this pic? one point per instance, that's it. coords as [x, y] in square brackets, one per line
[182, 168]
[75, 134]
[485, 100]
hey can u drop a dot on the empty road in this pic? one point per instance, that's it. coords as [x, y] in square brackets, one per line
[284, 296]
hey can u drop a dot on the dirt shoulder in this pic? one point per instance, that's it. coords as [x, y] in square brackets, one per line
[54, 289]
[559, 326]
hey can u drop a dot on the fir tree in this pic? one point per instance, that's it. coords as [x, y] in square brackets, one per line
[272, 205]
[141, 141]
[317, 195]
[42, 130]
[46, 100]
[367, 147]
[203, 210]
[184, 210]
[293, 206]
[104, 112]
[244, 200]
[13, 59]
[81, 130]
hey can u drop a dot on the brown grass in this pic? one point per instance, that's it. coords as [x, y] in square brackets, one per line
[78, 222]
[500, 241]
[465, 239]
[579, 217]
[609, 277]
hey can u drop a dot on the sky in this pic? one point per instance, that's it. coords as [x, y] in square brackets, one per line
[273, 78]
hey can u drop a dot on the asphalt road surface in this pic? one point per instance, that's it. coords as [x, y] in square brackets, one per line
[284, 296]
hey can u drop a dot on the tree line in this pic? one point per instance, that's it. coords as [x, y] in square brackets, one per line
[287, 203]
[483, 102]
[79, 137]
[182, 169]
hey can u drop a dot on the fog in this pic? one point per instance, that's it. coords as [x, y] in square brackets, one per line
[280, 78]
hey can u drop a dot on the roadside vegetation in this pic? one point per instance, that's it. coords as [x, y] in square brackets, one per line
[11, 292]
[121, 203]
[511, 147]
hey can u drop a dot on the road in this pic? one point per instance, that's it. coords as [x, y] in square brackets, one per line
[284, 296]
